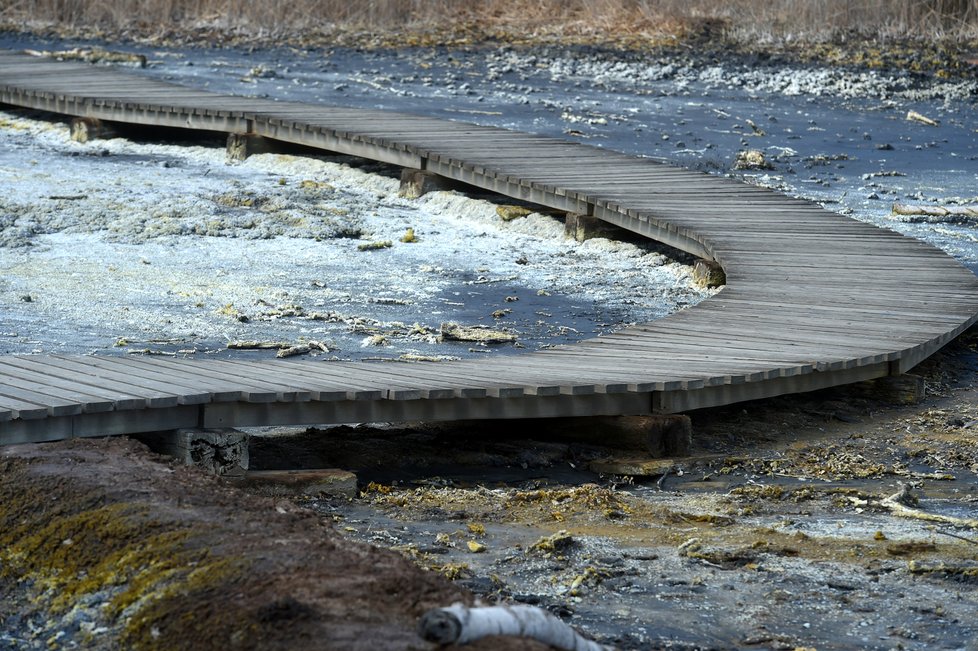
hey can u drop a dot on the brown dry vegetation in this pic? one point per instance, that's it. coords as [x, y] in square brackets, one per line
[601, 20]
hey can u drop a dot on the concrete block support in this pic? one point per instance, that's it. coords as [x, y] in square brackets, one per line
[416, 183]
[709, 273]
[906, 389]
[87, 129]
[219, 451]
[585, 227]
[242, 145]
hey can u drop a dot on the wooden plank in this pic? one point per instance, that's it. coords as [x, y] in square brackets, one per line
[190, 385]
[156, 394]
[56, 389]
[90, 390]
[35, 404]
[813, 298]
[326, 381]
[251, 389]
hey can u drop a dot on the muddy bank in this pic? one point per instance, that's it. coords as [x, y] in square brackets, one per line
[105, 546]
[779, 532]
[830, 521]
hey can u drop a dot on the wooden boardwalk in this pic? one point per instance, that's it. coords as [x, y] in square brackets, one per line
[813, 299]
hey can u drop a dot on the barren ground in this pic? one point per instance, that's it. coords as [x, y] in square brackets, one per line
[775, 533]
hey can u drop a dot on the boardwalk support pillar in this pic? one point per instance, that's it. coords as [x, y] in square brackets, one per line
[417, 183]
[219, 451]
[242, 145]
[905, 389]
[709, 274]
[87, 129]
[585, 227]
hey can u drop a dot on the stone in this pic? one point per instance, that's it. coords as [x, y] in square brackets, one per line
[221, 452]
[417, 183]
[632, 466]
[479, 334]
[508, 213]
[752, 159]
[93, 55]
[935, 211]
[311, 483]
[709, 273]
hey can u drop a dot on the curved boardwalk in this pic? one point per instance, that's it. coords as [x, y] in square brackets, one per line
[813, 299]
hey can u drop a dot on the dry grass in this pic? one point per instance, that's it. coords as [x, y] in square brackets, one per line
[778, 20]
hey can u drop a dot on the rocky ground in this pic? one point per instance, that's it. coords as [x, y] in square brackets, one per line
[780, 531]
[830, 521]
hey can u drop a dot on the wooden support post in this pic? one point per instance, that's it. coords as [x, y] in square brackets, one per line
[242, 145]
[416, 183]
[585, 227]
[219, 451]
[87, 129]
[709, 273]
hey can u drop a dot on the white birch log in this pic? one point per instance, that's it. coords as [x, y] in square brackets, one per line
[458, 624]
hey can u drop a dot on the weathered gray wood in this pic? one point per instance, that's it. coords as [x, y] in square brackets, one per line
[49, 373]
[812, 299]
[89, 370]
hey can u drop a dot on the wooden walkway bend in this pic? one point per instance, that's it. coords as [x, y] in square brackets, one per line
[813, 299]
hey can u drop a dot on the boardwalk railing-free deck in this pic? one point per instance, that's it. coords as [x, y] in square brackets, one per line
[813, 299]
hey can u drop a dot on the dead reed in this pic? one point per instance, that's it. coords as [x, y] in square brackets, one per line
[803, 20]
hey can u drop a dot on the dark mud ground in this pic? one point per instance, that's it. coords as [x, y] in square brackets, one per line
[785, 498]
[108, 547]
[775, 534]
